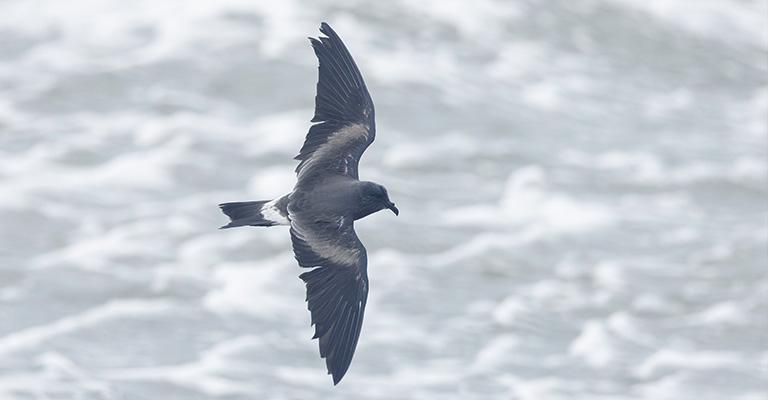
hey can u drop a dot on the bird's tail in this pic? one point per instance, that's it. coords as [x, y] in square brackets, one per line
[257, 213]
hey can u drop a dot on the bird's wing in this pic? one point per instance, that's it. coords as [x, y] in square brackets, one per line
[337, 286]
[344, 116]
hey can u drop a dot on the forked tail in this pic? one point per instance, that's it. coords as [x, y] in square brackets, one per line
[257, 213]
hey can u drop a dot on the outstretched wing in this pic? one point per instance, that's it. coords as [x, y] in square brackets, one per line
[344, 116]
[337, 286]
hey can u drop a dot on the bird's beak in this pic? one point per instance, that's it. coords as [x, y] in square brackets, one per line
[392, 207]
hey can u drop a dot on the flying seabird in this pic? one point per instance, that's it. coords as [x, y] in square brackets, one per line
[327, 199]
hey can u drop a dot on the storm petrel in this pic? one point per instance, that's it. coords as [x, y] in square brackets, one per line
[327, 199]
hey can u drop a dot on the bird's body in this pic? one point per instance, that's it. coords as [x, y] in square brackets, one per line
[327, 199]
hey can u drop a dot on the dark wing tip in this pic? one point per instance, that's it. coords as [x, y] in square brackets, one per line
[326, 29]
[336, 378]
[336, 299]
[341, 92]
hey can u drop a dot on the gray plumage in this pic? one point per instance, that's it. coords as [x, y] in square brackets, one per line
[327, 199]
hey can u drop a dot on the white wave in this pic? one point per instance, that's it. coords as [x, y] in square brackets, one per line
[594, 345]
[681, 235]
[495, 353]
[203, 375]
[98, 250]
[404, 66]
[750, 116]
[629, 327]
[518, 59]
[120, 308]
[525, 305]
[510, 310]
[413, 154]
[754, 395]
[729, 312]
[667, 359]
[537, 388]
[714, 19]
[130, 172]
[655, 303]
[272, 182]
[660, 106]
[646, 168]
[472, 20]
[255, 288]
[53, 376]
[526, 202]
[481, 244]
[282, 133]
[544, 95]
[609, 275]
[395, 264]
[110, 34]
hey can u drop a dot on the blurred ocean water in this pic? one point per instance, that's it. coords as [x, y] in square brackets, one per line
[583, 190]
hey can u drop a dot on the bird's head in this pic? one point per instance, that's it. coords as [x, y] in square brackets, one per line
[376, 197]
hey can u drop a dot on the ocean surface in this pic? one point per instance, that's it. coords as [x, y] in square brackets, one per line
[583, 191]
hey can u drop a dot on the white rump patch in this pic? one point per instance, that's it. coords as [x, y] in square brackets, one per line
[270, 212]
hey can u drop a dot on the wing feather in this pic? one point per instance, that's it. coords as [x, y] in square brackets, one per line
[344, 114]
[337, 286]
